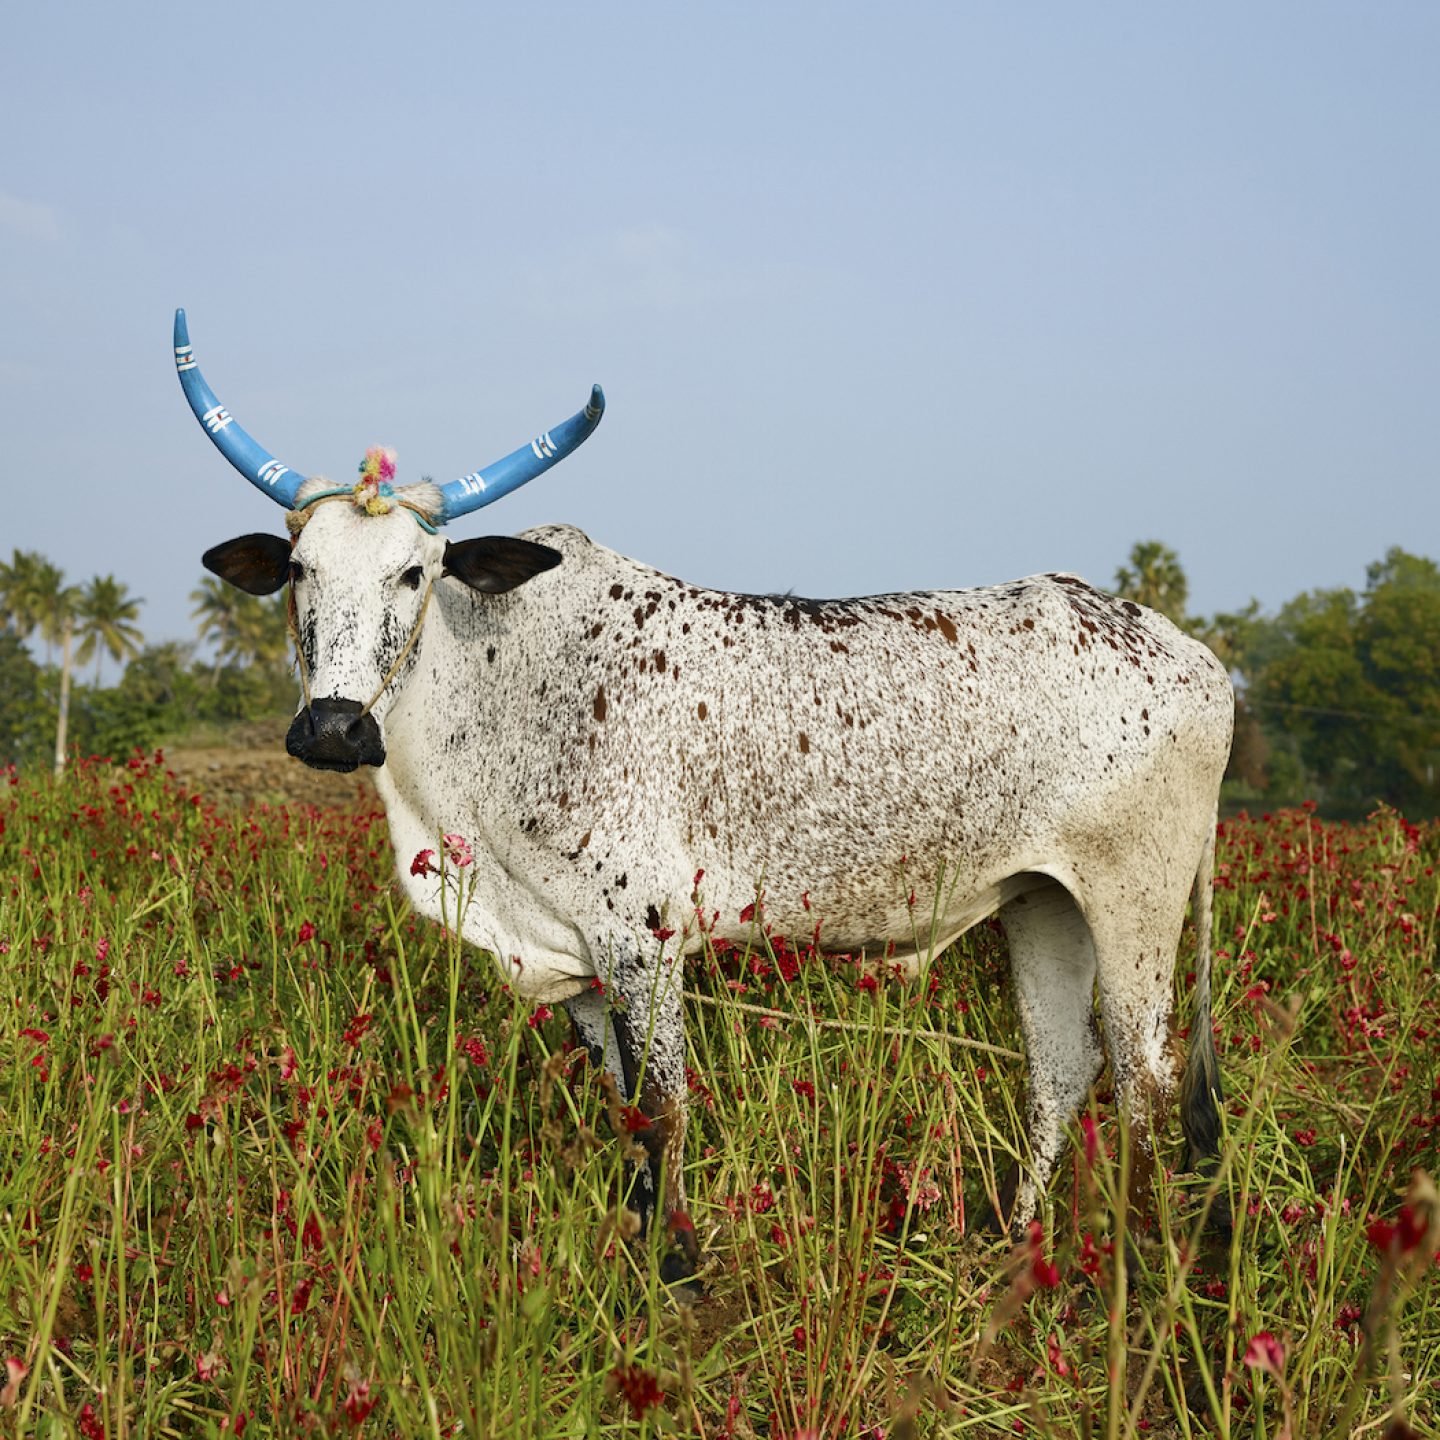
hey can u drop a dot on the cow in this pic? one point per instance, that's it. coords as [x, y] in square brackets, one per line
[623, 749]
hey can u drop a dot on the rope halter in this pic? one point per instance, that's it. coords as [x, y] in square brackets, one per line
[372, 494]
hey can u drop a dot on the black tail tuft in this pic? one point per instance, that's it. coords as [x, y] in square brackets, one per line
[1201, 1096]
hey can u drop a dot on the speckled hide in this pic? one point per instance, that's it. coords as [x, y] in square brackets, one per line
[603, 733]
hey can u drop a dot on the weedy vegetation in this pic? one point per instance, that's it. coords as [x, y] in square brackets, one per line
[281, 1159]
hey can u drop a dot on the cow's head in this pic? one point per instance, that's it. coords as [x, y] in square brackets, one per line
[361, 561]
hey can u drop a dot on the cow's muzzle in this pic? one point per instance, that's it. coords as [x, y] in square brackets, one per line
[335, 734]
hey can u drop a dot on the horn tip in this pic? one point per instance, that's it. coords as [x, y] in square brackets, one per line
[596, 408]
[182, 330]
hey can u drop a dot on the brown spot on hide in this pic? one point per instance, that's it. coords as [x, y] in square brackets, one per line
[600, 702]
[702, 710]
[616, 591]
[804, 743]
[660, 661]
[947, 627]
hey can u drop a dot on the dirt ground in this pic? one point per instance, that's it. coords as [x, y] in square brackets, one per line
[253, 767]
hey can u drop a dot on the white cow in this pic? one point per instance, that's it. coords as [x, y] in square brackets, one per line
[603, 733]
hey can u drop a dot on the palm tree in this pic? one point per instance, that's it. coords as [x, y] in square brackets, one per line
[245, 629]
[51, 604]
[107, 615]
[14, 584]
[1155, 578]
[24, 584]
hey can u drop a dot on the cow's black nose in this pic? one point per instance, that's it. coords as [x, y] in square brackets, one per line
[333, 735]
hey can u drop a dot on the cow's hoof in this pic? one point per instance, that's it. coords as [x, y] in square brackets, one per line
[680, 1262]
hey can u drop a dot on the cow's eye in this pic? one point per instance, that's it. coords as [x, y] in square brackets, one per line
[412, 577]
[297, 572]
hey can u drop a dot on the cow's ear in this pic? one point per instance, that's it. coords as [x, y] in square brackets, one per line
[493, 564]
[257, 564]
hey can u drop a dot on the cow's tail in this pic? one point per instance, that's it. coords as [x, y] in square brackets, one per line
[1201, 1094]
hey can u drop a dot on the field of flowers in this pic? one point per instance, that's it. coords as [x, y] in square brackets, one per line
[280, 1159]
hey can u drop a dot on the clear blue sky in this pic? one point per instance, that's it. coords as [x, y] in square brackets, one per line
[881, 296]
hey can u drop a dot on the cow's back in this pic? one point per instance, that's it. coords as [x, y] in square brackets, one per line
[844, 750]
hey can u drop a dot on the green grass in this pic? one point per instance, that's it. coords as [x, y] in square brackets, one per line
[283, 1160]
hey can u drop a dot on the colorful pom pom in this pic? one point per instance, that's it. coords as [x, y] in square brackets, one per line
[373, 491]
[378, 464]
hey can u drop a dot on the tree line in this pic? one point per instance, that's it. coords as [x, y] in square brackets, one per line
[47, 710]
[1338, 693]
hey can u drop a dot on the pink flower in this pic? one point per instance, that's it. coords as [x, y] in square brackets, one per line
[1055, 1353]
[457, 851]
[15, 1372]
[1265, 1352]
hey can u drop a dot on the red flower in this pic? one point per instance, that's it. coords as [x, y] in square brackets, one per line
[355, 1031]
[541, 1015]
[359, 1402]
[307, 931]
[640, 1388]
[1042, 1271]
[1400, 1239]
[1265, 1352]
[634, 1119]
[424, 864]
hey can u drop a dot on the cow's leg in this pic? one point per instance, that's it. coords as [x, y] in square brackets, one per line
[1053, 963]
[590, 1019]
[645, 1017]
[1135, 964]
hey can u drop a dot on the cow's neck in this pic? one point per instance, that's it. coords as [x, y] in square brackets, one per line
[444, 735]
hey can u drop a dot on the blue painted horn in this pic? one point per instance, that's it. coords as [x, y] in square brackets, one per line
[253, 461]
[483, 487]
[279, 482]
